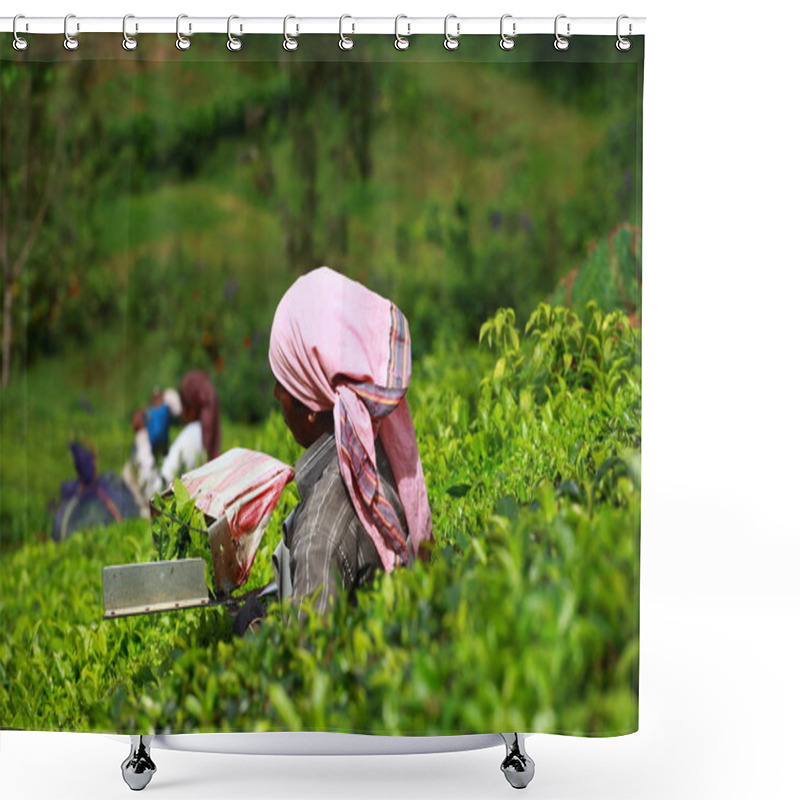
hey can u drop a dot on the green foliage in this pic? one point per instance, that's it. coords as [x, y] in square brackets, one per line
[524, 619]
[179, 528]
[191, 193]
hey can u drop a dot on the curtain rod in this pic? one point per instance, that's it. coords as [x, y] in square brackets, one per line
[347, 25]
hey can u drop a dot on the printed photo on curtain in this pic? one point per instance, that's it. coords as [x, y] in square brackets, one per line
[321, 385]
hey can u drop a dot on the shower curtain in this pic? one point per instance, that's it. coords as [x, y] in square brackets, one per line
[157, 206]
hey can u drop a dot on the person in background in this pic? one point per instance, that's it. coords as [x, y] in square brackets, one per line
[201, 404]
[164, 410]
[91, 500]
[341, 357]
[198, 407]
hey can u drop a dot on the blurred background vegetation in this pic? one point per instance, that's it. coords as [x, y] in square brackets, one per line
[155, 207]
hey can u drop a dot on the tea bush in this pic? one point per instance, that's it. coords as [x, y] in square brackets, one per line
[524, 619]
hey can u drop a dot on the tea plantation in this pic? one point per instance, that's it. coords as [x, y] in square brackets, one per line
[526, 617]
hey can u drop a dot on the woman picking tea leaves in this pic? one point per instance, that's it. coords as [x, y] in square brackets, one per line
[341, 356]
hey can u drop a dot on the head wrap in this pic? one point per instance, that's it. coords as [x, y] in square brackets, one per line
[337, 345]
[84, 462]
[197, 393]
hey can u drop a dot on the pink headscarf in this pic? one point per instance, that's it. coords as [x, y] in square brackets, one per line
[337, 345]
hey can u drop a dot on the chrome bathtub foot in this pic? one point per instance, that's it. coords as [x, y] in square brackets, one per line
[138, 768]
[517, 766]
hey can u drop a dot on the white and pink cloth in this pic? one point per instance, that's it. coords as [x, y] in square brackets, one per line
[243, 487]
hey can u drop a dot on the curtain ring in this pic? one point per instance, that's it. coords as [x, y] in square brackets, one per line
[70, 42]
[128, 42]
[507, 42]
[345, 42]
[19, 43]
[182, 42]
[451, 42]
[288, 42]
[623, 44]
[234, 44]
[561, 43]
[400, 42]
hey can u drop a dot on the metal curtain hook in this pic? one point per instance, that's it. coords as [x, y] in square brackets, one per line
[288, 42]
[182, 42]
[70, 42]
[19, 43]
[561, 43]
[623, 44]
[234, 44]
[400, 42]
[345, 42]
[507, 42]
[451, 42]
[128, 42]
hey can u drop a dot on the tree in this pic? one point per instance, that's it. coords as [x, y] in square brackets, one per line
[331, 121]
[29, 149]
[48, 163]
